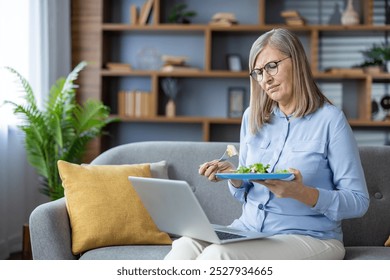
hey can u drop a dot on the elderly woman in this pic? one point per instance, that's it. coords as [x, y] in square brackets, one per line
[290, 124]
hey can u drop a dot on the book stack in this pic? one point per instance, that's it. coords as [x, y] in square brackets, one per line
[293, 18]
[134, 103]
[223, 19]
[113, 66]
[176, 63]
[141, 17]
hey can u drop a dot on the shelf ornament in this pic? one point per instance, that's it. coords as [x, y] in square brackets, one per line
[385, 103]
[350, 16]
[170, 87]
[148, 58]
[180, 14]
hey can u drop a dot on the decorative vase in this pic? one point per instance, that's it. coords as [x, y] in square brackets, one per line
[170, 87]
[350, 16]
[170, 108]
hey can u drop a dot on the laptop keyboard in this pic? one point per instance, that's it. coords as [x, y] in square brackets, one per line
[227, 235]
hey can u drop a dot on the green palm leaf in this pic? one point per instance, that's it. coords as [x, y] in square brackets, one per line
[61, 130]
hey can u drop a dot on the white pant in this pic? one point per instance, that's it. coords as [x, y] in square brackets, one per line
[278, 247]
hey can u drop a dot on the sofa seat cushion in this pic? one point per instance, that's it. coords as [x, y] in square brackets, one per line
[131, 252]
[367, 253]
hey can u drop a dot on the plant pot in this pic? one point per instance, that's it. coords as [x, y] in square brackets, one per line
[375, 69]
[185, 21]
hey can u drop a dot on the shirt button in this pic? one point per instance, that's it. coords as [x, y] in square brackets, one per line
[260, 206]
[378, 195]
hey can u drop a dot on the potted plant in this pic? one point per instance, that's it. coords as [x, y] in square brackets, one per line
[386, 56]
[61, 130]
[376, 58]
[179, 14]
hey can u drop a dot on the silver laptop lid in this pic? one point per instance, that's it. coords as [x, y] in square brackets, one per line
[174, 207]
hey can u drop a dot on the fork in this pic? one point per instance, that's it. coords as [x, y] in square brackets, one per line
[231, 151]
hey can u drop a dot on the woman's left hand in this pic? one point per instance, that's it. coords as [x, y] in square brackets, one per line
[292, 189]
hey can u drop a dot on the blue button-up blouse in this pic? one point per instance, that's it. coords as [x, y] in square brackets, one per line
[322, 147]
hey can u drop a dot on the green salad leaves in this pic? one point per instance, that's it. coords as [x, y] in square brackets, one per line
[258, 168]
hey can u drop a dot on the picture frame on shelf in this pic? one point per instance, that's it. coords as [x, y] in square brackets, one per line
[236, 97]
[233, 62]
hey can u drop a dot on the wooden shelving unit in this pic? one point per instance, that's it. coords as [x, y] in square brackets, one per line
[89, 22]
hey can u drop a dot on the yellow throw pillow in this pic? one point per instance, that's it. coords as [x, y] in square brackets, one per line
[104, 209]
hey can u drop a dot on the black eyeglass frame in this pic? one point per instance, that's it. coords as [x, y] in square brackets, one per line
[254, 75]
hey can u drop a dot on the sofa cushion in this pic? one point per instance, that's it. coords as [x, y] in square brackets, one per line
[373, 228]
[132, 252]
[159, 169]
[104, 209]
[367, 253]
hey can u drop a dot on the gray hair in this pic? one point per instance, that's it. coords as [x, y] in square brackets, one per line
[305, 91]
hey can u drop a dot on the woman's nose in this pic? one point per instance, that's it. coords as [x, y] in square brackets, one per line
[266, 78]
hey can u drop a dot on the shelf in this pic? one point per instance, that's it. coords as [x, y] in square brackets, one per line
[378, 76]
[113, 73]
[200, 120]
[231, 121]
[360, 27]
[231, 74]
[193, 74]
[153, 27]
[324, 75]
[364, 123]
[206, 74]
[239, 28]
[381, 76]
[107, 23]
[181, 119]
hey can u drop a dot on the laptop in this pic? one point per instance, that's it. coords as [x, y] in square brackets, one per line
[175, 209]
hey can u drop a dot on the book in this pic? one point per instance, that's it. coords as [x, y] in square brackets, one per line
[126, 103]
[138, 104]
[223, 19]
[133, 14]
[290, 13]
[145, 12]
[142, 104]
[295, 21]
[130, 104]
[174, 60]
[114, 66]
[224, 16]
[174, 68]
[134, 103]
[121, 103]
[292, 17]
[145, 104]
[221, 22]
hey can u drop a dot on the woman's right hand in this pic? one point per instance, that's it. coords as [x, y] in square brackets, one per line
[209, 169]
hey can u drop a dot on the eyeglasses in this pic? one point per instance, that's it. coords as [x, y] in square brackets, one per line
[271, 68]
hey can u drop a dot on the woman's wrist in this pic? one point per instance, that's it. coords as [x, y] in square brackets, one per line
[236, 183]
[309, 196]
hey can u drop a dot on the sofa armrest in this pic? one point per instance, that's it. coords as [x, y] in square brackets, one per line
[50, 232]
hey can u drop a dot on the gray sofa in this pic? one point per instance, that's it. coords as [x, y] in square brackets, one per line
[364, 237]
